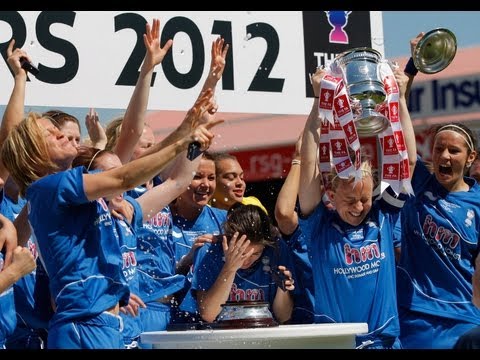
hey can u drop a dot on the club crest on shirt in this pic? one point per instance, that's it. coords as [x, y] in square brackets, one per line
[469, 218]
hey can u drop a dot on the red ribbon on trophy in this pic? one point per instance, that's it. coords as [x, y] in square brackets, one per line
[338, 133]
[395, 164]
[338, 130]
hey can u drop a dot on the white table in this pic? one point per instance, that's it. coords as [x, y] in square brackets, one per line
[311, 336]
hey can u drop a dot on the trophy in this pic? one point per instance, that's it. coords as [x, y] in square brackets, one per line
[359, 68]
[435, 51]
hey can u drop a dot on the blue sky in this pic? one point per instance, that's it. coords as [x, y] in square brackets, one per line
[401, 26]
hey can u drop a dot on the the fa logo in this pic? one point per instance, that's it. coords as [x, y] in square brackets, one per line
[338, 20]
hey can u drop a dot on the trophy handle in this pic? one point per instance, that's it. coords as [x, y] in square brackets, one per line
[435, 51]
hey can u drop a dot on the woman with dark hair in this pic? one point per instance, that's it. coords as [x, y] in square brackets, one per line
[440, 229]
[240, 267]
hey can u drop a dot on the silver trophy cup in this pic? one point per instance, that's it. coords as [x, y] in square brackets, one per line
[359, 68]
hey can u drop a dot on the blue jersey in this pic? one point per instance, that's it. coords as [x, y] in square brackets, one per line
[8, 320]
[303, 296]
[397, 232]
[252, 284]
[127, 240]
[29, 315]
[77, 245]
[440, 233]
[354, 277]
[184, 233]
[156, 254]
[156, 258]
[25, 287]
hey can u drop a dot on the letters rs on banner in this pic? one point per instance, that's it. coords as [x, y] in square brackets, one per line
[92, 59]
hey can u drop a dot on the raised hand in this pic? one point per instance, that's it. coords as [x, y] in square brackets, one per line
[200, 129]
[235, 251]
[96, 132]
[402, 81]
[209, 116]
[151, 39]
[414, 42]
[317, 79]
[14, 56]
[219, 53]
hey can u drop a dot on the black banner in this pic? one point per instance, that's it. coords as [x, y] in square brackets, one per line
[329, 33]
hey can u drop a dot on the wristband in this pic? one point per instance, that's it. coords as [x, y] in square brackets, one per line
[410, 68]
[296, 162]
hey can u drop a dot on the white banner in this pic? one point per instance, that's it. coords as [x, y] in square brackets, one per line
[91, 59]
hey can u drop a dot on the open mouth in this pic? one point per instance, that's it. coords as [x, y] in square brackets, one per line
[445, 169]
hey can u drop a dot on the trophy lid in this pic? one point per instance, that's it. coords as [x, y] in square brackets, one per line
[435, 51]
[358, 53]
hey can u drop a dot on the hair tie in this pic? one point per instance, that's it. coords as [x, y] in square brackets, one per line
[93, 158]
[468, 138]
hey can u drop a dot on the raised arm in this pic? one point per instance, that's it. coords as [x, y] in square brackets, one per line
[14, 112]
[217, 65]
[179, 175]
[134, 119]
[407, 127]
[139, 171]
[285, 214]
[410, 69]
[311, 184]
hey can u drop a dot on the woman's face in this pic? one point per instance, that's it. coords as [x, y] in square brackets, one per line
[202, 187]
[257, 253]
[71, 130]
[60, 150]
[353, 202]
[449, 157]
[230, 182]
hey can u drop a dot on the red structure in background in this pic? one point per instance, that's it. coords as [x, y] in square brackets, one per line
[274, 163]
